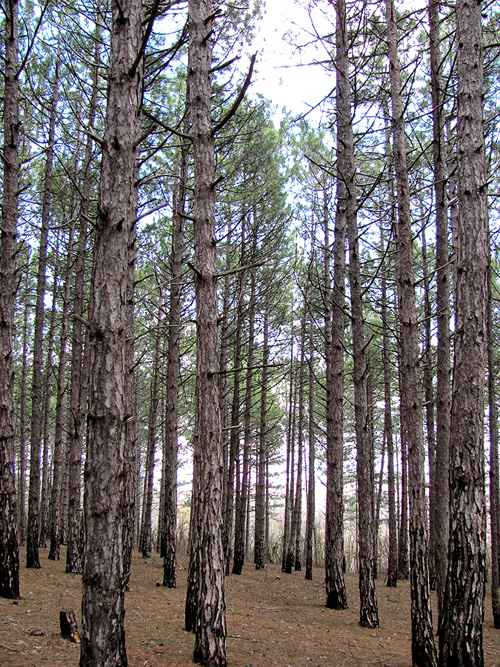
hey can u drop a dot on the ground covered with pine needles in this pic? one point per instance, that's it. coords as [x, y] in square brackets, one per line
[273, 619]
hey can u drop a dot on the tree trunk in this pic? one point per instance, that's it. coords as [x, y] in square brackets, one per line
[47, 391]
[429, 416]
[32, 555]
[58, 461]
[461, 634]
[241, 505]
[423, 647]
[172, 381]
[77, 415]
[311, 493]
[494, 472]
[207, 552]
[392, 565]
[442, 503]
[260, 494]
[9, 550]
[21, 505]
[103, 637]
[297, 508]
[336, 596]
[145, 541]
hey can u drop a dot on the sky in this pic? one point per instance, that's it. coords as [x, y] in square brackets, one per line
[282, 74]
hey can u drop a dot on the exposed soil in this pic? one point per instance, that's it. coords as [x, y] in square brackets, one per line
[272, 620]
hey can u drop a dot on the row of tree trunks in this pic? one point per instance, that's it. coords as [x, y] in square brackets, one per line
[32, 554]
[59, 450]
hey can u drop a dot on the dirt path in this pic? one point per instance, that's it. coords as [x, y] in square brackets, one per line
[272, 619]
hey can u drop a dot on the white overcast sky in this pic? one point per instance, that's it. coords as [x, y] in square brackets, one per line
[280, 76]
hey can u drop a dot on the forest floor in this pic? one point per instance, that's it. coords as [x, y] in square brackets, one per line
[273, 620]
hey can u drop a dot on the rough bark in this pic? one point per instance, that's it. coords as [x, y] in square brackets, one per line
[9, 550]
[494, 466]
[443, 388]
[336, 596]
[207, 550]
[461, 630]
[21, 494]
[103, 636]
[423, 646]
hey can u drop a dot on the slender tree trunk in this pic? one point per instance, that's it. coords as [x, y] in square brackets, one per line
[443, 388]
[423, 647]
[260, 494]
[289, 505]
[173, 366]
[346, 210]
[103, 636]
[207, 552]
[461, 630]
[32, 555]
[336, 596]
[58, 462]
[241, 506]
[21, 505]
[392, 565]
[311, 493]
[494, 472]
[9, 550]
[289, 468]
[429, 416]
[145, 541]
[297, 508]
[77, 415]
[234, 439]
[47, 391]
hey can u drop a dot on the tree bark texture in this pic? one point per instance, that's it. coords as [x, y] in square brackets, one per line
[9, 550]
[336, 596]
[423, 646]
[103, 636]
[461, 635]
[443, 388]
[494, 467]
[207, 551]
[346, 209]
